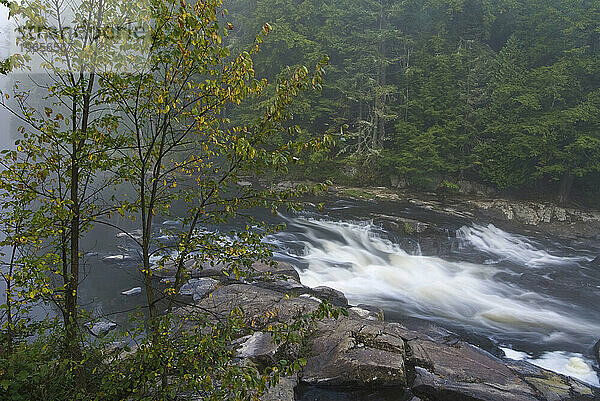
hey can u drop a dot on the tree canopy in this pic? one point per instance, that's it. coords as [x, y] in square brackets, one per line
[500, 92]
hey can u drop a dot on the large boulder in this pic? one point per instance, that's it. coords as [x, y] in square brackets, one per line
[101, 328]
[220, 270]
[258, 347]
[597, 351]
[348, 352]
[198, 288]
[261, 306]
[462, 371]
[292, 287]
[360, 354]
[282, 269]
[407, 226]
[552, 386]
[337, 298]
[283, 390]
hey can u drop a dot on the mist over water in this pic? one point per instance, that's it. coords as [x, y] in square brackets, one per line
[499, 297]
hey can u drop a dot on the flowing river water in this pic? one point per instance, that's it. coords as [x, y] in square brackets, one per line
[526, 294]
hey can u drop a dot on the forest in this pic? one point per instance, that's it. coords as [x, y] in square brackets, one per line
[423, 93]
[264, 200]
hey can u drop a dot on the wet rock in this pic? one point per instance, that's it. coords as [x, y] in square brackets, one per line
[407, 226]
[348, 352]
[580, 390]
[367, 312]
[259, 348]
[435, 387]
[101, 328]
[597, 351]
[286, 286]
[337, 298]
[461, 372]
[552, 386]
[261, 305]
[198, 288]
[533, 213]
[221, 271]
[253, 299]
[280, 268]
[133, 291]
[283, 390]
[292, 287]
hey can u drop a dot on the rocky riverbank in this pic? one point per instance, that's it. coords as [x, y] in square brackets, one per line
[570, 223]
[363, 355]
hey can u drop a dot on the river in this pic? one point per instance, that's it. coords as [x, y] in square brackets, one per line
[522, 293]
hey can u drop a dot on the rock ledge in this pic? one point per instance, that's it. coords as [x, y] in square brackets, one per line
[362, 354]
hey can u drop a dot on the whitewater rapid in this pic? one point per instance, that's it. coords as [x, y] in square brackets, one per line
[359, 260]
[513, 247]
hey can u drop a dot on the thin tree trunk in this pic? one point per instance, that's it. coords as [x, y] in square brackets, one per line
[379, 129]
[407, 92]
[72, 276]
[147, 233]
[564, 192]
[9, 311]
[75, 226]
[71, 299]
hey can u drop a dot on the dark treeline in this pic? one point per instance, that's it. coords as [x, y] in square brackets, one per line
[430, 92]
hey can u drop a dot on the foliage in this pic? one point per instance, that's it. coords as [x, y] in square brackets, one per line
[194, 351]
[148, 111]
[497, 91]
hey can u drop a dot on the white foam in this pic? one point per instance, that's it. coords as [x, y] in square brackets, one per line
[370, 269]
[516, 248]
[514, 355]
[115, 258]
[568, 364]
[172, 223]
[565, 363]
[135, 234]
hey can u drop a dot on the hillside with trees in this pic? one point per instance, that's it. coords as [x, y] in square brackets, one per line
[426, 92]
